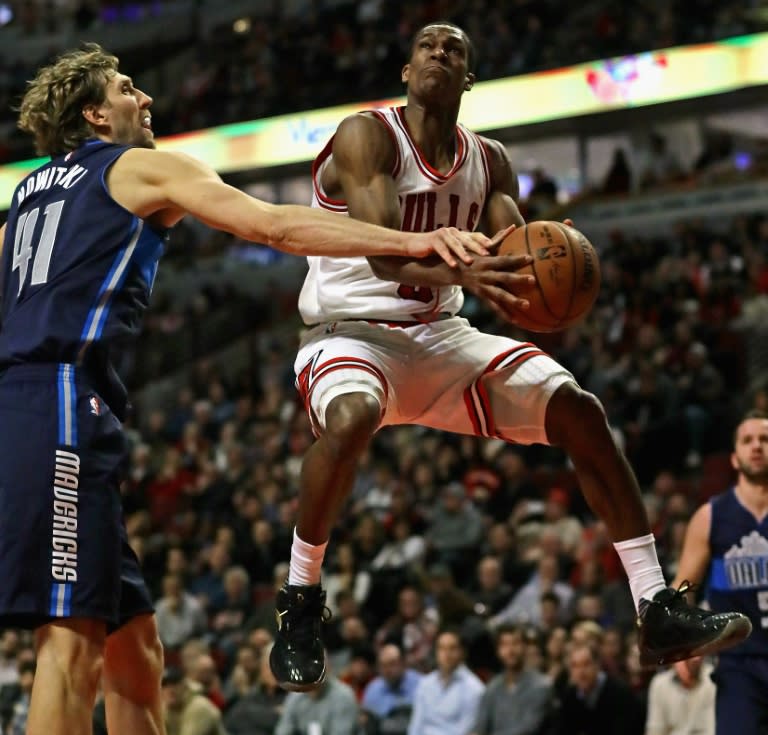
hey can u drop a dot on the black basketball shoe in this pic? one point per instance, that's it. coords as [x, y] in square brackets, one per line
[672, 630]
[297, 659]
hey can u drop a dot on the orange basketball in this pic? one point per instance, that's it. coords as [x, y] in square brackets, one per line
[567, 272]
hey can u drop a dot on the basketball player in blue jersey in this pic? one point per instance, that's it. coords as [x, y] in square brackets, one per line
[726, 547]
[385, 347]
[79, 253]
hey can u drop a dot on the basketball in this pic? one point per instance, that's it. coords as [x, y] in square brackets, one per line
[567, 273]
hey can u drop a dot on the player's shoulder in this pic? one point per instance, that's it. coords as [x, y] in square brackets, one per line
[701, 519]
[502, 173]
[150, 164]
[367, 124]
[154, 155]
[496, 150]
[364, 136]
[722, 500]
[139, 159]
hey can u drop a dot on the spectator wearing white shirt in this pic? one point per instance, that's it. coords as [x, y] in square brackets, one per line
[681, 700]
[180, 616]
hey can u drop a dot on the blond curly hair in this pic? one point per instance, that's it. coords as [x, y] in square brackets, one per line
[52, 107]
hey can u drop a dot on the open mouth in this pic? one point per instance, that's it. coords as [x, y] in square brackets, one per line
[146, 123]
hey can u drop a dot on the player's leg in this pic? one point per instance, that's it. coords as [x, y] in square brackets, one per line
[341, 380]
[670, 629]
[133, 667]
[521, 395]
[58, 535]
[69, 660]
[514, 391]
[347, 423]
[133, 656]
[576, 422]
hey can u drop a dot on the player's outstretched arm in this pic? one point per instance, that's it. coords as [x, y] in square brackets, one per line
[169, 185]
[695, 557]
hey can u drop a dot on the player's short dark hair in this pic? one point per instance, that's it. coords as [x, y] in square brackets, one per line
[471, 52]
[753, 413]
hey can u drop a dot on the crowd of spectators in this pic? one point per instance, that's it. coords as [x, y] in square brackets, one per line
[326, 53]
[487, 541]
[460, 558]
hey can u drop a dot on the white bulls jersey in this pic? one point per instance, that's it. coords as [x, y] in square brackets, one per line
[346, 288]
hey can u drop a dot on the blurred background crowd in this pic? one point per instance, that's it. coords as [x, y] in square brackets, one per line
[328, 52]
[457, 554]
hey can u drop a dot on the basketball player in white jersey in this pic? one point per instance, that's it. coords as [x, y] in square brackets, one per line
[384, 346]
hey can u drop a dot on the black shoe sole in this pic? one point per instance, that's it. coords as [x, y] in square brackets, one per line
[310, 686]
[735, 632]
[291, 686]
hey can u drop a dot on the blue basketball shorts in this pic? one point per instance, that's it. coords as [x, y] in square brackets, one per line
[741, 701]
[64, 550]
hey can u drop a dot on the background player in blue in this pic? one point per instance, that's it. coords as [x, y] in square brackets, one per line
[727, 544]
[79, 254]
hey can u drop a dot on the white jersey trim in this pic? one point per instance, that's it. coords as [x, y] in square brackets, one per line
[424, 166]
[324, 201]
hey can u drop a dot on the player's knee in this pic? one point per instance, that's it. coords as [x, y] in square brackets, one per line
[351, 420]
[575, 419]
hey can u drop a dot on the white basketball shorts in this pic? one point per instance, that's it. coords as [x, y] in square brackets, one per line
[446, 375]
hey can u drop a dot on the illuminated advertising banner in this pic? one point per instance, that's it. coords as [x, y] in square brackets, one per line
[620, 83]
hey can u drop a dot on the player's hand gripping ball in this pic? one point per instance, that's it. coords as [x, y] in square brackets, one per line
[567, 273]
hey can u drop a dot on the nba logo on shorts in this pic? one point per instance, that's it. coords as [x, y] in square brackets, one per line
[95, 406]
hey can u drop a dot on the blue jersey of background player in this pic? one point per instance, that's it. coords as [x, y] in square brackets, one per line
[726, 545]
[78, 256]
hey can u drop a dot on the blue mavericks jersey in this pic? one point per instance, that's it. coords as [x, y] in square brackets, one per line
[76, 270]
[738, 578]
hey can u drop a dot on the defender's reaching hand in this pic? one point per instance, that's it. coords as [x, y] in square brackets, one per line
[450, 243]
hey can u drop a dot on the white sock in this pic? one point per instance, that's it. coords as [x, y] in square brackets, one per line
[306, 561]
[638, 555]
